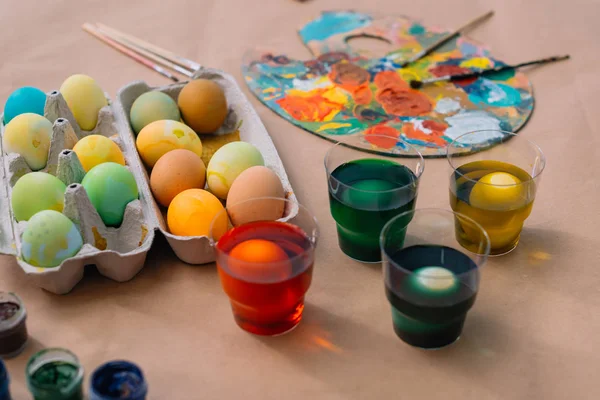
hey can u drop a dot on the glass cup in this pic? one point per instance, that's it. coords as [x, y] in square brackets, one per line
[55, 374]
[495, 187]
[366, 190]
[431, 281]
[4, 382]
[265, 262]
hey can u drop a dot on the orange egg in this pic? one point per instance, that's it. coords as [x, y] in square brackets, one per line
[259, 260]
[192, 211]
[176, 171]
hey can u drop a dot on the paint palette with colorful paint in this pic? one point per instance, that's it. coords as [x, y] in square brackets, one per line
[341, 91]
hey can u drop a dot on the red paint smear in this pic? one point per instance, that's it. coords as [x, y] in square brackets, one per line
[404, 103]
[362, 94]
[443, 70]
[310, 109]
[389, 79]
[382, 142]
[435, 136]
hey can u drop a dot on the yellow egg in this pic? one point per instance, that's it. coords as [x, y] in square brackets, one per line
[192, 211]
[29, 135]
[159, 137]
[498, 191]
[85, 99]
[228, 163]
[97, 149]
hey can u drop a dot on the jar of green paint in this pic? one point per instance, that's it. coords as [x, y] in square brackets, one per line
[55, 374]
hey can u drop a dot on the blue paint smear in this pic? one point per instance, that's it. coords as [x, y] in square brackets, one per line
[330, 24]
[417, 29]
[493, 94]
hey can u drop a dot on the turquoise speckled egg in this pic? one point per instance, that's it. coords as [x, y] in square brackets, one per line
[24, 100]
[35, 192]
[29, 135]
[110, 187]
[49, 239]
[150, 107]
[227, 163]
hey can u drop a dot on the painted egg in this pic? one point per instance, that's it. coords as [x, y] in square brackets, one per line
[160, 137]
[498, 191]
[176, 171]
[97, 149]
[434, 281]
[85, 99]
[29, 135]
[150, 107]
[191, 213]
[49, 239]
[228, 163]
[203, 105]
[110, 187]
[35, 192]
[254, 183]
[24, 100]
[259, 259]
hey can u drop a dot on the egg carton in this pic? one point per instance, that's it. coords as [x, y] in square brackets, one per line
[117, 253]
[199, 249]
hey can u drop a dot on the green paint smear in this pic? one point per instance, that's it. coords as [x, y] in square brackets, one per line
[417, 29]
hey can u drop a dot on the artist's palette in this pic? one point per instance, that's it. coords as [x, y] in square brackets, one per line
[342, 92]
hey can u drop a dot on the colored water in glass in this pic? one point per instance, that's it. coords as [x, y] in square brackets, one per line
[369, 196]
[271, 304]
[422, 315]
[118, 380]
[501, 211]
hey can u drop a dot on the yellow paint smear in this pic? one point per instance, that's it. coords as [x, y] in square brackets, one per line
[333, 125]
[99, 241]
[212, 143]
[144, 234]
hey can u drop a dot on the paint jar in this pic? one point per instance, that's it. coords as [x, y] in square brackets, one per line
[118, 380]
[4, 382]
[54, 374]
[13, 330]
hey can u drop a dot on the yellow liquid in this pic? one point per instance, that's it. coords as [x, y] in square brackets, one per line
[497, 195]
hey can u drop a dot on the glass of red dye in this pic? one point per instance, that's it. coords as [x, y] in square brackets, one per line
[265, 262]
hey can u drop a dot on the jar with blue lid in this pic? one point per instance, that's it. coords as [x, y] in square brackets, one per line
[118, 380]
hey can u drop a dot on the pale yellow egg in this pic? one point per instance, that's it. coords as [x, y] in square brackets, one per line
[85, 99]
[29, 135]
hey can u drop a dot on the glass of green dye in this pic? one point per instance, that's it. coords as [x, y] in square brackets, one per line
[55, 374]
[368, 187]
[431, 280]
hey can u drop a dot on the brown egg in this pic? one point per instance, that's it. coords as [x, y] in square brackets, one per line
[176, 171]
[203, 105]
[253, 183]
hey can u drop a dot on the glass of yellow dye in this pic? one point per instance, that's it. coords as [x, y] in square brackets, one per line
[495, 187]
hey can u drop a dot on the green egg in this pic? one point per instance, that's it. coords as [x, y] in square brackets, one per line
[227, 163]
[35, 192]
[433, 281]
[150, 107]
[110, 187]
[49, 239]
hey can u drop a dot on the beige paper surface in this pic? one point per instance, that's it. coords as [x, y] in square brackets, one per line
[534, 330]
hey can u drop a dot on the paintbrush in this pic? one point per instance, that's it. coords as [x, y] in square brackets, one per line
[130, 53]
[445, 39]
[416, 84]
[147, 54]
[166, 54]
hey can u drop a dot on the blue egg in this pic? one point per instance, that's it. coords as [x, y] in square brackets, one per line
[24, 100]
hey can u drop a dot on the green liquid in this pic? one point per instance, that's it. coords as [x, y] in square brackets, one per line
[373, 192]
[51, 381]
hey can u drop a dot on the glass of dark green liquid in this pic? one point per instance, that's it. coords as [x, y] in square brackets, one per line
[371, 178]
[431, 280]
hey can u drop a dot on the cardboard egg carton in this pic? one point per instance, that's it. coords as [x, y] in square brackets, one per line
[118, 253]
[241, 116]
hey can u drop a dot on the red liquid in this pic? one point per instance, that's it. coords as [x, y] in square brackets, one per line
[267, 306]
